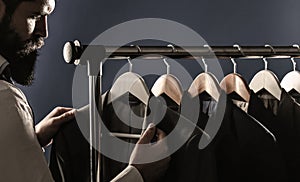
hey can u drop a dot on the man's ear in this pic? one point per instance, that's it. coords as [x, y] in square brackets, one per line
[2, 9]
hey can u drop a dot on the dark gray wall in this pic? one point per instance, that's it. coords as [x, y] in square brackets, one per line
[219, 22]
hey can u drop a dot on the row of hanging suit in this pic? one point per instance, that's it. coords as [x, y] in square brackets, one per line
[237, 133]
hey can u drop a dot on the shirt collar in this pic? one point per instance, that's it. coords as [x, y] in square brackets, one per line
[3, 64]
[4, 70]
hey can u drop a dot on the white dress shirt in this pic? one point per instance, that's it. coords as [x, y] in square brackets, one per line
[21, 156]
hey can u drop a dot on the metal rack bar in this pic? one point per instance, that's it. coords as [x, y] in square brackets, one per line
[218, 51]
[73, 52]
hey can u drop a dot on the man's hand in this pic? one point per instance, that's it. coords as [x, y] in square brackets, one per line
[155, 170]
[48, 127]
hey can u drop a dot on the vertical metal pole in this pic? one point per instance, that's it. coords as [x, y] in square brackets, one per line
[93, 121]
[99, 124]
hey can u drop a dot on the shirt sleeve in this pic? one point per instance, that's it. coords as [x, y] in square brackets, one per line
[130, 173]
[21, 155]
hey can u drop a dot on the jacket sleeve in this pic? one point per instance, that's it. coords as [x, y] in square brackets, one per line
[21, 155]
[130, 173]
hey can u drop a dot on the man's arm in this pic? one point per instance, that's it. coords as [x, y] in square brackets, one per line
[21, 155]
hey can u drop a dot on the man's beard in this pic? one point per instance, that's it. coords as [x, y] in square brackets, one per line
[21, 55]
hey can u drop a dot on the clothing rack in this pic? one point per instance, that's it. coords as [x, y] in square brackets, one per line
[73, 52]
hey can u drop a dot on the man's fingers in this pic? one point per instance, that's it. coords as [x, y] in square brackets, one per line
[148, 134]
[160, 134]
[59, 110]
[70, 114]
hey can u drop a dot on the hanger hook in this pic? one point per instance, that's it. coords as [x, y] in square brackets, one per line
[209, 48]
[234, 65]
[130, 63]
[205, 65]
[296, 46]
[173, 48]
[168, 65]
[294, 63]
[138, 48]
[240, 49]
[271, 47]
[293, 59]
[266, 63]
[101, 68]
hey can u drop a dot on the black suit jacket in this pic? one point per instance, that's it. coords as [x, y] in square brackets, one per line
[285, 126]
[242, 150]
[115, 115]
[70, 152]
[170, 116]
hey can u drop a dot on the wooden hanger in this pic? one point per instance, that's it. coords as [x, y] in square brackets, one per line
[129, 82]
[234, 83]
[266, 80]
[168, 84]
[205, 83]
[291, 81]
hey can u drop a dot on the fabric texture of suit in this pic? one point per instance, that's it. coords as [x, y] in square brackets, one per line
[70, 155]
[115, 115]
[285, 126]
[242, 150]
[180, 169]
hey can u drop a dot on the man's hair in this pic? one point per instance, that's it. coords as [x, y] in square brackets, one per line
[11, 5]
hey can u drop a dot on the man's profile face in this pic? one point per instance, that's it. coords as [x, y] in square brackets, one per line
[22, 33]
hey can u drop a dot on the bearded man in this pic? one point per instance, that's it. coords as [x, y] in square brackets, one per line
[23, 28]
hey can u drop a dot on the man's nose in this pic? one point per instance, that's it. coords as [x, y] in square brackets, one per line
[41, 28]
